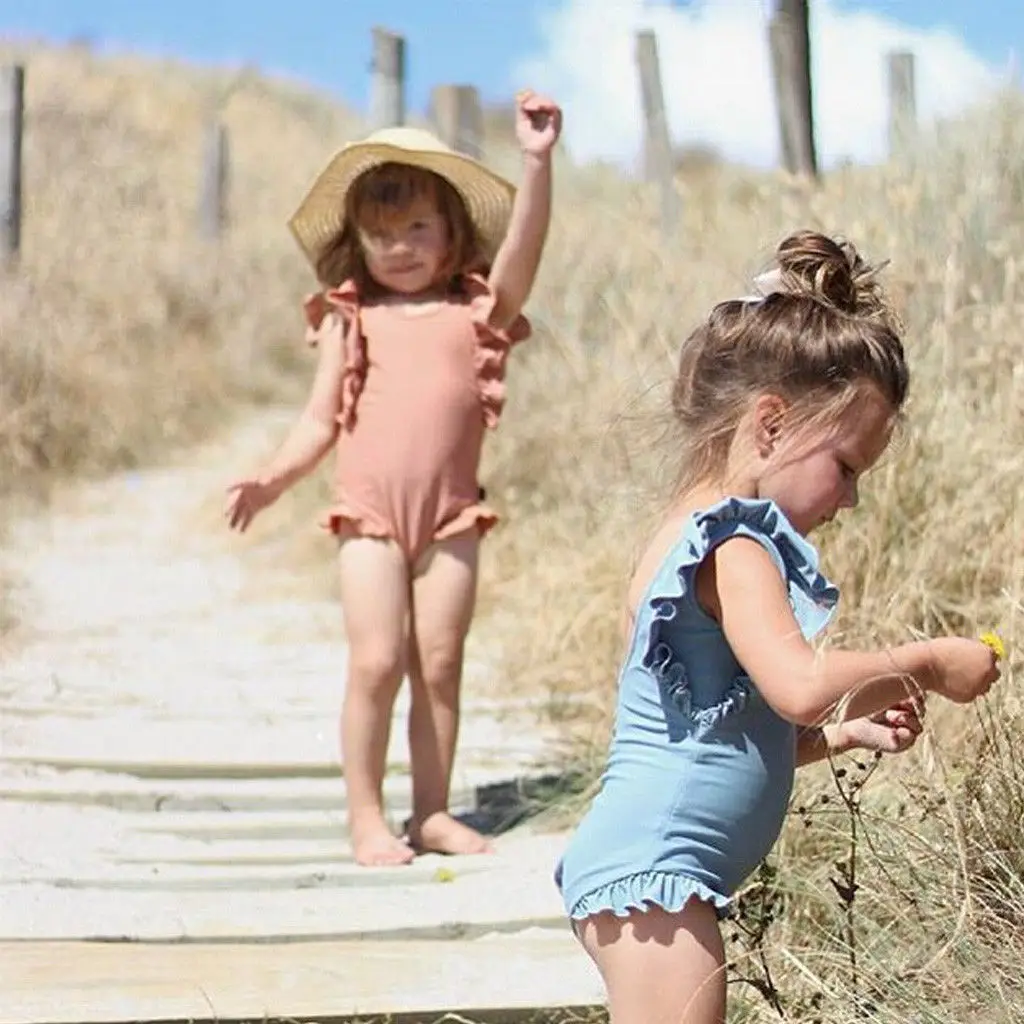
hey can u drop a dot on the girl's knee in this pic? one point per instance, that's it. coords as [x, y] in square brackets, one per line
[440, 663]
[376, 667]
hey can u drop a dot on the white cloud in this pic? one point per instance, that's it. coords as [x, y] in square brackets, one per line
[717, 82]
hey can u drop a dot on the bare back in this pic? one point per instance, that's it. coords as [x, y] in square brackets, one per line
[657, 549]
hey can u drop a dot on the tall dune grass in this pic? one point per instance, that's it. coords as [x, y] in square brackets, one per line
[122, 334]
[586, 460]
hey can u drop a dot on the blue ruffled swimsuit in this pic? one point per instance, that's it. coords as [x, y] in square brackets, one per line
[700, 769]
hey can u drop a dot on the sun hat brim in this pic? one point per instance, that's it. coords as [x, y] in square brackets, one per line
[320, 216]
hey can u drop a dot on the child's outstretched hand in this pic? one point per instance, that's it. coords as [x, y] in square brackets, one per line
[246, 499]
[891, 731]
[538, 122]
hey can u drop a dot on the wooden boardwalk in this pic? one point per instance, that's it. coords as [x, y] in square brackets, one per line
[172, 812]
[227, 898]
[517, 979]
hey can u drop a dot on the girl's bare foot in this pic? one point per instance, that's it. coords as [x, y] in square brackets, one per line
[374, 845]
[441, 833]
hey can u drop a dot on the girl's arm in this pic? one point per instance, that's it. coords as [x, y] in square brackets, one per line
[741, 587]
[890, 731]
[538, 124]
[316, 429]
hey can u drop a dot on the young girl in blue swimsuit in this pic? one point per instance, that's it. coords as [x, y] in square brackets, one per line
[786, 398]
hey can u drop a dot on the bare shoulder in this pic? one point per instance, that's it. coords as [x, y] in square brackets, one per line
[739, 566]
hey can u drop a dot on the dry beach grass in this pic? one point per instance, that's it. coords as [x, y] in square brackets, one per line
[122, 335]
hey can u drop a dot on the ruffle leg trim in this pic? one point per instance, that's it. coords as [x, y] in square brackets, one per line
[344, 521]
[482, 517]
[664, 889]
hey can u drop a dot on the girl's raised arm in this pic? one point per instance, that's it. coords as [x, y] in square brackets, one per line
[538, 125]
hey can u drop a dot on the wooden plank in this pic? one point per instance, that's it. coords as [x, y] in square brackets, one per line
[329, 869]
[241, 747]
[406, 905]
[81, 983]
[418, 908]
[229, 796]
[508, 890]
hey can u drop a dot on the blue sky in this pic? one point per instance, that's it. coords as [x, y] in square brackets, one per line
[474, 41]
[328, 43]
[499, 44]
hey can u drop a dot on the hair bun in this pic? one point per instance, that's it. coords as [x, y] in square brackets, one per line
[831, 271]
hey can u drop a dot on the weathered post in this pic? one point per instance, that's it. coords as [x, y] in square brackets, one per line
[387, 85]
[12, 121]
[657, 159]
[458, 118]
[214, 182]
[790, 43]
[213, 196]
[902, 101]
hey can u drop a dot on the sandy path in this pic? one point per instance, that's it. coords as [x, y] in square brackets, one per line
[169, 706]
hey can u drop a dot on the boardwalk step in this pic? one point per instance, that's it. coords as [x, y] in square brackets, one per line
[538, 976]
[435, 896]
[182, 748]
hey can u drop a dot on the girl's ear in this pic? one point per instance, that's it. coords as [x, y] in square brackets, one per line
[769, 411]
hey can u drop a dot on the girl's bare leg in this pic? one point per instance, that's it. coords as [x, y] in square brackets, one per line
[660, 967]
[375, 604]
[443, 595]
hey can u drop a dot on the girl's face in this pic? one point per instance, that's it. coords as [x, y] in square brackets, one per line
[813, 473]
[407, 253]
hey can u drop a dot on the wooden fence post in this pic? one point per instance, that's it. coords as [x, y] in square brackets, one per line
[387, 86]
[790, 43]
[12, 120]
[657, 159]
[458, 118]
[214, 182]
[902, 101]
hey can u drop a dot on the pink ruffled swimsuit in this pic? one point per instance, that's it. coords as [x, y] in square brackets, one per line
[417, 395]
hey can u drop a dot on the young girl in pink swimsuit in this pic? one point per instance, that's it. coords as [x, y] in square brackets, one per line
[426, 259]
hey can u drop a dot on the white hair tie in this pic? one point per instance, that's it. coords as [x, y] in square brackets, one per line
[768, 283]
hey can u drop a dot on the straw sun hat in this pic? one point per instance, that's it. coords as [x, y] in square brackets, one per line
[321, 215]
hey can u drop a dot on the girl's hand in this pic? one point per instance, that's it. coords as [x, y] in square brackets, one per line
[966, 669]
[538, 123]
[891, 731]
[247, 498]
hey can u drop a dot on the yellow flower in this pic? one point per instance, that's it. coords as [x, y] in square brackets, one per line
[994, 641]
[444, 875]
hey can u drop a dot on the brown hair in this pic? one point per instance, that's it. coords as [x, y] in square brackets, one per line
[379, 197]
[827, 330]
